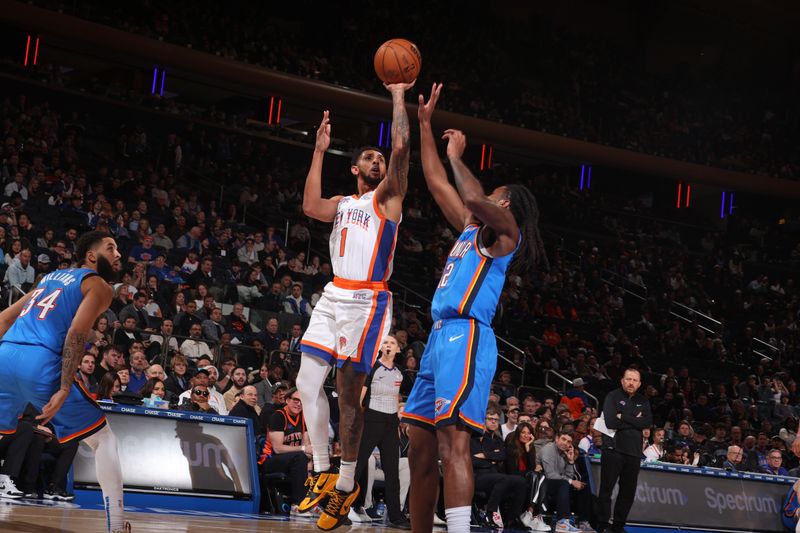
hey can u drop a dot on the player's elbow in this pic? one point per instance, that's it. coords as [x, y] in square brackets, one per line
[309, 209]
[401, 147]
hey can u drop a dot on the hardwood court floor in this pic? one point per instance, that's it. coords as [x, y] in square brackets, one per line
[47, 517]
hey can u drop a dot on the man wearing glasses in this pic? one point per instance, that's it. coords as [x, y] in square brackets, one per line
[288, 447]
[199, 399]
[732, 462]
[774, 462]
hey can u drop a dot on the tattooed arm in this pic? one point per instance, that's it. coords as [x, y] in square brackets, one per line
[395, 185]
[97, 295]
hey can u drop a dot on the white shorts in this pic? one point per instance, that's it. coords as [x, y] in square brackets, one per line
[349, 323]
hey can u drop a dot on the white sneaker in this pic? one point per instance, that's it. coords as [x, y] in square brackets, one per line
[565, 526]
[8, 489]
[526, 518]
[497, 519]
[586, 527]
[438, 521]
[538, 524]
[311, 514]
[359, 516]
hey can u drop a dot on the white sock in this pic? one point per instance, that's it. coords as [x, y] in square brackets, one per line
[316, 410]
[109, 475]
[458, 519]
[347, 475]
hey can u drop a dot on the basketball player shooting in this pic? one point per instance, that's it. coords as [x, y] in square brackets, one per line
[43, 338]
[452, 388]
[354, 313]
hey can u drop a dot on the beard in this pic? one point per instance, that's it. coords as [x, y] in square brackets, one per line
[372, 182]
[105, 269]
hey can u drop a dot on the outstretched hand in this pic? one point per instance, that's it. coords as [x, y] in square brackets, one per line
[456, 143]
[401, 87]
[425, 110]
[323, 133]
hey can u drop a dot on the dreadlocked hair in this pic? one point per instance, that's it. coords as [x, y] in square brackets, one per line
[525, 209]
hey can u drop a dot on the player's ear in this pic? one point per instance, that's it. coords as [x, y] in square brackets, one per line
[354, 170]
[505, 203]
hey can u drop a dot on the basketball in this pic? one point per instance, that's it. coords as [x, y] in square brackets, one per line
[398, 61]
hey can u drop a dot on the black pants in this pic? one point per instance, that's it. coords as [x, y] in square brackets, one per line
[295, 466]
[615, 466]
[13, 449]
[567, 497]
[64, 455]
[381, 430]
[502, 488]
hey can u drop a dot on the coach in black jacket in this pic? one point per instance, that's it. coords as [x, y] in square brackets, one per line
[626, 412]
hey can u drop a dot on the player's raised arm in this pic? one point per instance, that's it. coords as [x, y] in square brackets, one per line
[469, 188]
[97, 296]
[314, 205]
[396, 183]
[435, 175]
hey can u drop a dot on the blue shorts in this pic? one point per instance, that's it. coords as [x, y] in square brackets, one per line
[455, 376]
[32, 374]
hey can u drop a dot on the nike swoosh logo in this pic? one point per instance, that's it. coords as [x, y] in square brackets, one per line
[456, 337]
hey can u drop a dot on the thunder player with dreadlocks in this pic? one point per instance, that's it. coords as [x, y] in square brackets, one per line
[452, 387]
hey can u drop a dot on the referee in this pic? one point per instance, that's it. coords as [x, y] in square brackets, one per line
[381, 398]
[626, 412]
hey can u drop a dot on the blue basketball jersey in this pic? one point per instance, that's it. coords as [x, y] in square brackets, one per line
[471, 280]
[47, 316]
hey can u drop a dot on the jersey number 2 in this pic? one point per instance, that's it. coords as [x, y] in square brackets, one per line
[46, 304]
[448, 269]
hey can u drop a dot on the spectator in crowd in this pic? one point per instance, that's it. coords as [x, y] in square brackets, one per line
[20, 275]
[138, 374]
[564, 485]
[136, 311]
[198, 398]
[188, 318]
[276, 402]
[488, 455]
[732, 461]
[288, 448]
[775, 464]
[237, 323]
[247, 406]
[86, 373]
[512, 416]
[295, 303]
[294, 338]
[164, 340]
[194, 347]
[109, 385]
[178, 381]
[213, 328]
[270, 336]
[655, 451]
[127, 335]
[238, 382]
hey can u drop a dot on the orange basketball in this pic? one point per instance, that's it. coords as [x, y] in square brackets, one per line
[398, 61]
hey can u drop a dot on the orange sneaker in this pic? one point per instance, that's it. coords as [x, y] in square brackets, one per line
[318, 485]
[336, 507]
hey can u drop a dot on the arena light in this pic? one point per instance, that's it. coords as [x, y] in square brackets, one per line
[589, 178]
[155, 79]
[27, 59]
[483, 154]
[722, 206]
[163, 78]
[678, 203]
[271, 105]
[380, 136]
[688, 193]
[730, 209]
[583, 174]
[278, 117]
[36, 52]
[486, 156]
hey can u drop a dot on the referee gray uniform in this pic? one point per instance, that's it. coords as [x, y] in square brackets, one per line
[381, 430]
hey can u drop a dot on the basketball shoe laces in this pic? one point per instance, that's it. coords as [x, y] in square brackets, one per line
[335, 502]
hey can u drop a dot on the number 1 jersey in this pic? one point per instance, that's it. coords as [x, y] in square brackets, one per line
[48, 314]
[362, 241]
[471, 281]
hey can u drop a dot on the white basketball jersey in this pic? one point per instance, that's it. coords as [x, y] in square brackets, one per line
[362, 240]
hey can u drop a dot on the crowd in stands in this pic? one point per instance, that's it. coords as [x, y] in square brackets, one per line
[575, 84]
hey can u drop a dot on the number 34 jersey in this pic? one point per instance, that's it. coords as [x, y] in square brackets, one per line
[471, 281]
[48, 314]
[362, 241]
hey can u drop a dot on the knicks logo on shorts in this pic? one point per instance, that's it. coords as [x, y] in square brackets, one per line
[441, 405]
[342, 342]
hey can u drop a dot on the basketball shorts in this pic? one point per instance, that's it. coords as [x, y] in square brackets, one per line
[32, 374]
[349, 323]
[455, 376]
